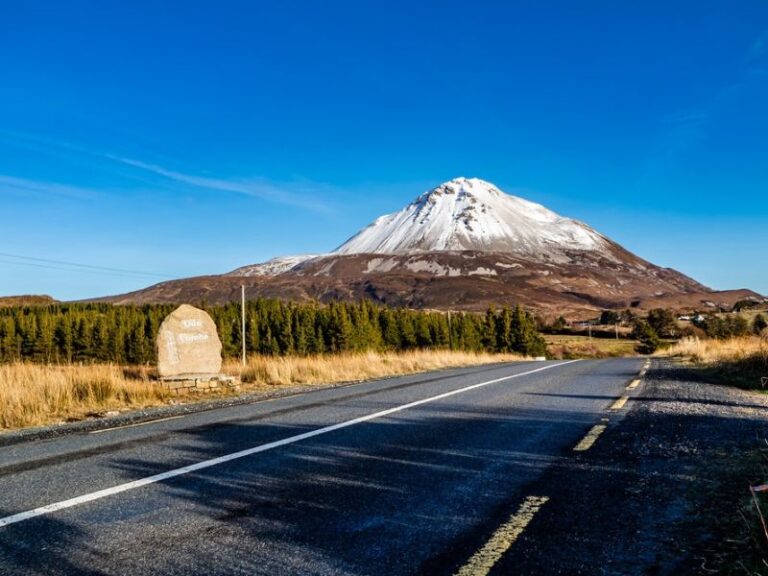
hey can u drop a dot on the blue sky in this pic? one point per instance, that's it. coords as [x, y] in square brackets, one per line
[187, 138]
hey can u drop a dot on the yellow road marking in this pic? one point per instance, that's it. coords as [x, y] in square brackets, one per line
[634, 384]
[591, 437]
[619, 404]
[501, 541]
[134, 425]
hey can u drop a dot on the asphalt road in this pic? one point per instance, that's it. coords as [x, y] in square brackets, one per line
[436, 473]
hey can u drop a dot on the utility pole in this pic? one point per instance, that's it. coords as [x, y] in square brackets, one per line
[589, 327]
[242, 314]
[450, 331]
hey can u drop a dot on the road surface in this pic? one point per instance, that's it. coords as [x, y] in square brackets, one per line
[437, 473]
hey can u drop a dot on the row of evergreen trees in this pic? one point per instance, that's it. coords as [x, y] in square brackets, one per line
[64, 333]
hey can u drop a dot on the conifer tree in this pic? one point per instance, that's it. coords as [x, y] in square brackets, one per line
[759, 324]
[648, 340]
[504, 341]
[105, 332]
[489, 341]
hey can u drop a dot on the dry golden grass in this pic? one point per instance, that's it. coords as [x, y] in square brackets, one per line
[577, 346]
[740, 361]
[33, 394]
[350, 367]
[711, 351]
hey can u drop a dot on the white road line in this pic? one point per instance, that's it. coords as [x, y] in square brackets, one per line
[486, 558]
[134, 425]
[56, 506]
[591, 437]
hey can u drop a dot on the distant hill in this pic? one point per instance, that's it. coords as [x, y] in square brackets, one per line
[26, 300]
[464, 245]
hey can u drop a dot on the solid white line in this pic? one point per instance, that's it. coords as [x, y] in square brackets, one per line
[134, 425]
[21, 516]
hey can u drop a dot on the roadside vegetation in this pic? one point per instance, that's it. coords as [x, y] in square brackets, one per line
[612, 333]
[70, 361]
[34, 394]
[567, 346]
[63, 361]
[37, 394]
[88, 333]
[741, 361]
[331, 368]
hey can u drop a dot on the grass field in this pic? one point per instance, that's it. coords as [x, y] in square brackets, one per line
[34, 394]
[574, 346]
[740, 362]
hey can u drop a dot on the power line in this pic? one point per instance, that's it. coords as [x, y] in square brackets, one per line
[85, 271]
[78, 267]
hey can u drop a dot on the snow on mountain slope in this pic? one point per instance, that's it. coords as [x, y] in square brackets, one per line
[465, 245]
[464, 214]
[472, 214]
[273, 267]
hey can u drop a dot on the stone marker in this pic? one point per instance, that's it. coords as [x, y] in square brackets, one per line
[188, 345]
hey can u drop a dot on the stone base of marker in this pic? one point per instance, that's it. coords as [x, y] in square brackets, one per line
[185, 383]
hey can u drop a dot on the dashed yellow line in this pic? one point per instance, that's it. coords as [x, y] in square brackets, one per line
[501, 541]
[634, 384]
[591, 437]
[619, 404]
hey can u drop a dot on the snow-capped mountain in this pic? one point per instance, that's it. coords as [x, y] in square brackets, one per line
[463, 245]
[274, 266]
[463, 214]
[472, 214]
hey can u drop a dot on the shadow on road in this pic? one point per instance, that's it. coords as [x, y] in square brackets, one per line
[647, 398]
[419, 493]
[370, 499]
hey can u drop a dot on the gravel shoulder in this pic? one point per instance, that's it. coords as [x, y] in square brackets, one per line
[663, 491]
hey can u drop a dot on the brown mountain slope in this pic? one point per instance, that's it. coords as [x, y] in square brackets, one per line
[457, 281]
[26, 300]
[462, 245]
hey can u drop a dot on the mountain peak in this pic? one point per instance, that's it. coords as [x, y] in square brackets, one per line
[461, 186]
[473, 214]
